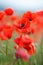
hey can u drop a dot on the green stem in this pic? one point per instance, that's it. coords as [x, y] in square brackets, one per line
[22, 61]
[18, 62]
[7, 47]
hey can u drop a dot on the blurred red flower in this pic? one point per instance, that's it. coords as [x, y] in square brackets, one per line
[26, 43]
[29, 15]
[9, 11]
[22, 25]
[1, 15]
[8, 30]
[40, 13]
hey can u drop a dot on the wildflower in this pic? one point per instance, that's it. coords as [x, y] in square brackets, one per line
[29, 15]
[8, 30]
[1, 15]
[26, 43]
[9, 11]
[22, 25]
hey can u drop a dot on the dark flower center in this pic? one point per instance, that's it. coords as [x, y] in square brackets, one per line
[30, 19]
[22, 25]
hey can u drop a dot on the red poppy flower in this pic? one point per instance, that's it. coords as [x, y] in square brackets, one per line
[30, 48]
[40, 18]
[26, 43]
[8, 30]
[22, 25]
[9, 11]
[29, 15]
[1, 15]
[23, 39]
[38, 22]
